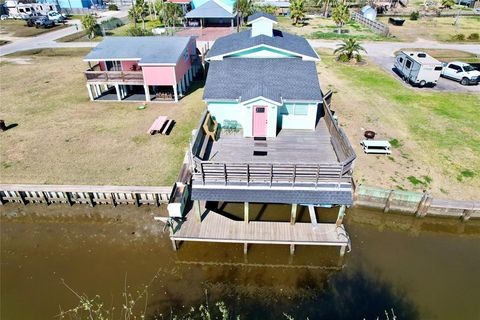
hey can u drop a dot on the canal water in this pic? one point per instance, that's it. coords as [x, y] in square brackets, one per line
[419, 268]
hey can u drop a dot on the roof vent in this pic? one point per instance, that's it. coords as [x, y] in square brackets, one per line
[262, 24]
[422, 55]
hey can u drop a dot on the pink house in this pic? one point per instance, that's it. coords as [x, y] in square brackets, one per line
[141, 68]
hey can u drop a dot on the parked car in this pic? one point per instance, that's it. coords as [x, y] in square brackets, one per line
[462, 72]
[418, 68]
[55, 16]
[44, 22]
[31, 20]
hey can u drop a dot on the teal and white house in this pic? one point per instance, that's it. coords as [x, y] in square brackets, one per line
[285, 148]
[263, 79]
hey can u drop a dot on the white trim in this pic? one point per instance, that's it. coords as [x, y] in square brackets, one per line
[156, 64]
[112, 59]
[261, 97]
[263, 18]
[304, 57]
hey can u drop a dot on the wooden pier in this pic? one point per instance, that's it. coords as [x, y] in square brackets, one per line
[217, 228]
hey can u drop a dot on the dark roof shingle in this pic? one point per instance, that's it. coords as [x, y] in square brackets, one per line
[275, 79]
[156, 49]
[257, 15]
[244, 40]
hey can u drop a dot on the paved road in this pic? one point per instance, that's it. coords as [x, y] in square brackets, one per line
[382, 53]
[47, 40]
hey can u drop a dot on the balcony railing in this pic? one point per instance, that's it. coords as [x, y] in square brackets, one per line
[129, 77]
[273, 174]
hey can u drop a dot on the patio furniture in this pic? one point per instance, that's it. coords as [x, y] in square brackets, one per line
[157, 125]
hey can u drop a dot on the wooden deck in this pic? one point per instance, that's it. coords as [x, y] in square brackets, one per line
[217, 228]
[290, 146]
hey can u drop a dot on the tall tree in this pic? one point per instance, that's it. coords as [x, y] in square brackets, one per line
[171, 13]
[349, 49]
[89, 23]
[341, 15]
[243, 8]
[297, 11]
[138, 11]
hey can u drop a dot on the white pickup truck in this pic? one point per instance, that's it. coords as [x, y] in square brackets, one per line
[462, 72]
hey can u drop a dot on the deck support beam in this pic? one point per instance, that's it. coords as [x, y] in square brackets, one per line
[117, 90]
[292, 249]
[293, 215]
[174, 245]
[175, 93]
[147, 92]
[196, 207]
[342, 250]
[341, 214]
[90, 94]
[245, 248]
[246, 213]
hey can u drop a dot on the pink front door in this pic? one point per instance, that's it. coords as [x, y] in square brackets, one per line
[260, 121]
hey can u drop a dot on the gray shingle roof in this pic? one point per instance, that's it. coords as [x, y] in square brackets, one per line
[257, 15]
[329, 196]
[210, 9]
[244, 40]
[149, 50]
[245, 79]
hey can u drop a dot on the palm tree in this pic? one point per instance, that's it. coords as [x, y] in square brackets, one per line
[349, 49]
[341, 15]
[89, 23]
[243, 8]
[171, 13]
[297, 11]
[326, 4]
[138, 11]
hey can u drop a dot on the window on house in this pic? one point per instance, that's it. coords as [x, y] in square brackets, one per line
[400, 60]
[295, 109]
[113, 65]
[408, 64]
[301, 110]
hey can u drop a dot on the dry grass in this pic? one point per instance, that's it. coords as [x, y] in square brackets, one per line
[64, 138]
[322, 28]
[434, 28]
[18, 28]
[435, 136]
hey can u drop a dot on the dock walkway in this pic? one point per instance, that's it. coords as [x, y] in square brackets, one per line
[217, 228]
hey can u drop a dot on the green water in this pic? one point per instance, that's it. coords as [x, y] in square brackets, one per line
[423, 269]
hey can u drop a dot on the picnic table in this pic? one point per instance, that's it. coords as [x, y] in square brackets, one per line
[161, 125]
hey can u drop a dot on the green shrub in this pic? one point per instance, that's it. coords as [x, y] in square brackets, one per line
[138, 32]
[343, 58]
[474, 36]
[112, 7]
[414, 15]
[459, 37]
[112, 23]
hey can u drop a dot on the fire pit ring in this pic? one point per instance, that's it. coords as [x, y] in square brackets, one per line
[369, 134]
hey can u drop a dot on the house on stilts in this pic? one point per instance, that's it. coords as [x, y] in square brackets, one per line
[267, 136]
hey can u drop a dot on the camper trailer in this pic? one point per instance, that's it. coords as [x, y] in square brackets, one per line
[418, 68]
[20, 10]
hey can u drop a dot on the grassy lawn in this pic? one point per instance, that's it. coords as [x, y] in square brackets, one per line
[435, 136]
[64, 138]
[18, 28]
[321, 28]
[80, 36]
[435, 28]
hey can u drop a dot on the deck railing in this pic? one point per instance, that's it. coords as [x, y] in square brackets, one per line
[274, 174]
[94, 74]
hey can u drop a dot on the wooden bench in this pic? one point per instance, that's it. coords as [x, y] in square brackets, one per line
[157, 125]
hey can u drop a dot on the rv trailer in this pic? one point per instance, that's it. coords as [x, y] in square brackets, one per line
[418, 68]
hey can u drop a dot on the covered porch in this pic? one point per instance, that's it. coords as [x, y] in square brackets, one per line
[211, 14]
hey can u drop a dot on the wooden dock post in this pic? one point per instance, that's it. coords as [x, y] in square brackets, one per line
[341, 214]
[174, 245]
[292, 249]
[245, 248]
[293, 216]
[466, 215]
[388, 202]
[196, 207]
[246, 212]
[423, 205]
[342, 250]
